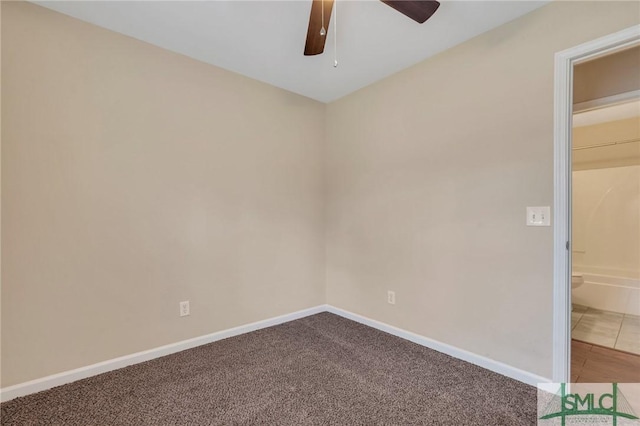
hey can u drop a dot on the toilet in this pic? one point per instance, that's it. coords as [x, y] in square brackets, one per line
[576, 280]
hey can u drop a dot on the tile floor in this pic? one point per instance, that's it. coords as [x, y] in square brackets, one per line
[604, 328]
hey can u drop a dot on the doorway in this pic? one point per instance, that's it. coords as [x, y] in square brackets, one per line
[565, 64]
[605, 220]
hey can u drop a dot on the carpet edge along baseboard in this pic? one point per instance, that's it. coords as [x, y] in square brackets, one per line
[48, 382]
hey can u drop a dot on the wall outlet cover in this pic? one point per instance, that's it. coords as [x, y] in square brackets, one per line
[391, 297]
[184, 308]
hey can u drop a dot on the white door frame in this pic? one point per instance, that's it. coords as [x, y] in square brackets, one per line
[563, 110]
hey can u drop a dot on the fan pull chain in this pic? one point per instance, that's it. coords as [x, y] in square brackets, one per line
[335, 34]
[323, 31]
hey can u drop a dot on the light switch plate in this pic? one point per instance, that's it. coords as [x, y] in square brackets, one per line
[539, 216]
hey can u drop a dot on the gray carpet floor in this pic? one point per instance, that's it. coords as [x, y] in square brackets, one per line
[319, 370]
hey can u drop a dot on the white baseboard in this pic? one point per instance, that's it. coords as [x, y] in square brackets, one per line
[65, 377]
[484, 362]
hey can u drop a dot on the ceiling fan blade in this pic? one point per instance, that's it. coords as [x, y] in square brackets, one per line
[315, 41]
[418, 10]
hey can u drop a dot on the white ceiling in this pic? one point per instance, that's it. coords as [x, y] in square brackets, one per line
[265, 39]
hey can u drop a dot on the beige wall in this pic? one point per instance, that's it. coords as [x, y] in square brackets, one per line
[606, 221]
[607, 76]
[605, 134]
[134, 178]
[606, 215]
[429, 173]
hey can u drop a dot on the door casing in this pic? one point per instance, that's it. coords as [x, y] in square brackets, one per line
[563, 111]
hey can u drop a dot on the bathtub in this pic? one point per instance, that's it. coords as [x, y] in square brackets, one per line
[608, 292]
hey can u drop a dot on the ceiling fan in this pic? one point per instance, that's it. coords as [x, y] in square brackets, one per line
[418, 10]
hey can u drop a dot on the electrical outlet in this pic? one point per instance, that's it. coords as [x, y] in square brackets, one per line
[391, 297]
[184, 308]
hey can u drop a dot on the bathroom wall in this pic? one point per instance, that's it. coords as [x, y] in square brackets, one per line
[588, 81]
[604, 135]
[606, 238]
